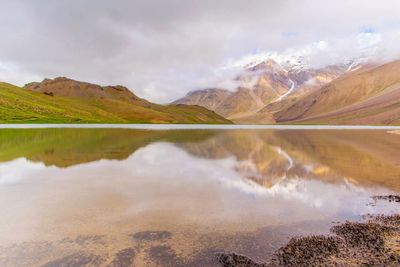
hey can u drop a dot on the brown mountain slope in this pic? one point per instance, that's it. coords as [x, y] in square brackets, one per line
[259, 86]
[64, 100]
[208, 98]
[65, 87]
[381, 109]
[363, 97]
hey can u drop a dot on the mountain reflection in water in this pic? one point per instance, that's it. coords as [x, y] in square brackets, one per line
[175, 197]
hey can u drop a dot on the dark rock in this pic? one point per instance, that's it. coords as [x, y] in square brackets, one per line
[165, 256]
[49, 93]
[390, 198]
[235, 260]
[308, 251]
[370, 235]
[76, 260]
[123, 258]
[152, 235]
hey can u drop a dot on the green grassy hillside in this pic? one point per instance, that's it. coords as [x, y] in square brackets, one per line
[18, 105]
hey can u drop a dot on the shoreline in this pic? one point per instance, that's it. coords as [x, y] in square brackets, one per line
[375, 241]
[390, 129]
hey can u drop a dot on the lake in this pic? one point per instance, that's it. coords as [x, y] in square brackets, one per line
[176, 195]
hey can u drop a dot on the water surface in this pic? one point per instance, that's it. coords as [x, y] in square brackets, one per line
[145, 197]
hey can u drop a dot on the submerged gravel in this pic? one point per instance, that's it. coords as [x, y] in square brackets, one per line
[374, 242]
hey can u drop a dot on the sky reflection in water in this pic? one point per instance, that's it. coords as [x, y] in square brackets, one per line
[202, 186]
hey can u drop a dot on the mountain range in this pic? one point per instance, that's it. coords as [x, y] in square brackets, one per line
[62, 100]
[277, 90]
[285, 90]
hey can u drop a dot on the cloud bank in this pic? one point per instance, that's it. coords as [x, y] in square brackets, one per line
[163, 49]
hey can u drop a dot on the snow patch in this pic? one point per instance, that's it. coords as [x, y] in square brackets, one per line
[291, 90]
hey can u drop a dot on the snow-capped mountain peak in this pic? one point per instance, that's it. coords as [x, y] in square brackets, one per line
[285, 62]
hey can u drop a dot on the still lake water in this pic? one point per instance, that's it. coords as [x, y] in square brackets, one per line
[174, 197]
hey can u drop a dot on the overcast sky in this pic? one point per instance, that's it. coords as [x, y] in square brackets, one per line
[161, 49]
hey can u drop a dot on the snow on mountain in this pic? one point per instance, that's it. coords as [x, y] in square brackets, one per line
[316, 55]
[285, 61]
[294, 71]
[267, 82]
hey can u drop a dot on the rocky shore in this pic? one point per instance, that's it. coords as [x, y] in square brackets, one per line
[373, 242]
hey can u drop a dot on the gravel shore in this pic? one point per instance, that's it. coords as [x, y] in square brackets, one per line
[373, 242]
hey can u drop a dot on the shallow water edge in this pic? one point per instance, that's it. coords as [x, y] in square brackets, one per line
[201, 126]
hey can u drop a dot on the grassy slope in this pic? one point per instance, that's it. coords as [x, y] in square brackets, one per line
[18, 105]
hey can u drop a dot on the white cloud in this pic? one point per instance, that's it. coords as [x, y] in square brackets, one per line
[18, 170]
[163, 49]
[13, 74]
